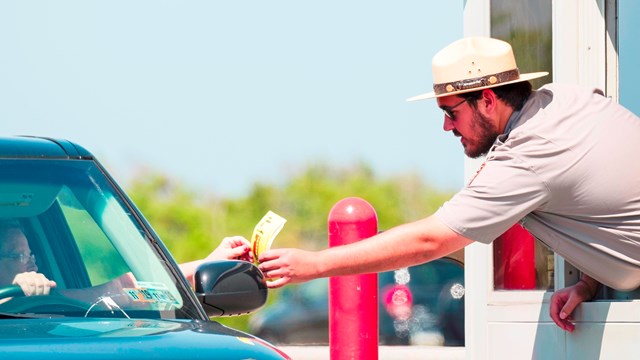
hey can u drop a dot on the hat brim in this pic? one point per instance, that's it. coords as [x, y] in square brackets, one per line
[523, 77]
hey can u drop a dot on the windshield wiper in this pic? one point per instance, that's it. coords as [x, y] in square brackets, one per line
[5, 315]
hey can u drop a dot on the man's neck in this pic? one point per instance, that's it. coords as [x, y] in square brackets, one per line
[504, 114]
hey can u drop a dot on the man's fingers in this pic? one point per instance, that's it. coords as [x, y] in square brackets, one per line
[280, 282]
[558, 300]
[565, 314]
[269, 255]
[41, 283]
[248, 256]
[33, 283]
[238, 250]
[239, 240]
[569, 306]
[269, 260]
[46, 290]
[554, 308]
[561, 307]
[26, 289]
[270, 266]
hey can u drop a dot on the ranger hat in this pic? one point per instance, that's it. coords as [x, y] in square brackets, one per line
[474, 63]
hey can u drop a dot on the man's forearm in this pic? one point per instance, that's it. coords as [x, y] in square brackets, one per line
[405, 245]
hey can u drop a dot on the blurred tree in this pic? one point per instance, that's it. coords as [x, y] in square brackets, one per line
[191, 224]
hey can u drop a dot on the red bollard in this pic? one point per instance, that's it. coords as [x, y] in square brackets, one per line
[353, 299]
[514, 260]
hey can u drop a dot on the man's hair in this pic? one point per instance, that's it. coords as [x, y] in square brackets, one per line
[8, 225]
[513, 95]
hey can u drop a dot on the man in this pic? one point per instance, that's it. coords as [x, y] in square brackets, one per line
[557, 160]
[18, 264]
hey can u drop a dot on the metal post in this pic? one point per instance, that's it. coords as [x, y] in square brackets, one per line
[353, 299]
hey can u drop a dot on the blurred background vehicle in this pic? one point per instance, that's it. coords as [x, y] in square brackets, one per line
[418, 305]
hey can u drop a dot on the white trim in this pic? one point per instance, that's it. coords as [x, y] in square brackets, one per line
[478, 275]
[579, 42]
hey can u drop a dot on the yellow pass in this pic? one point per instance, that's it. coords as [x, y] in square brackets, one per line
[265, 231]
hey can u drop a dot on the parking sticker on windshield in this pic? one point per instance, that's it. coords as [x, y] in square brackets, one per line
[151, 295]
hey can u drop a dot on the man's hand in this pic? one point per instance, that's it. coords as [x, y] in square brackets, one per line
[563, 302]
[286, 266]
[33, 283]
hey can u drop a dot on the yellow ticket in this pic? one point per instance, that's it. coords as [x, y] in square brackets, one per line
[265, 231]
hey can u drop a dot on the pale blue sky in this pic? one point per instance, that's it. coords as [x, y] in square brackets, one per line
[221, 94]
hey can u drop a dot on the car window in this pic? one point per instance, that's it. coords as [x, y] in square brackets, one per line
[103, 261]
[84, 235]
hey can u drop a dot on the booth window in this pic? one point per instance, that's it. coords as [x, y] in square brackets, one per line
[521, 262]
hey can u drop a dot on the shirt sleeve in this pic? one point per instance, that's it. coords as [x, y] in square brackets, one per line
[503, 191]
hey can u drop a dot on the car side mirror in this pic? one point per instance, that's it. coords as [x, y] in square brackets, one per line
[230, 287]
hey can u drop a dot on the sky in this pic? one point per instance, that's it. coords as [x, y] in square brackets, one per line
[219, 95]
[629, 53]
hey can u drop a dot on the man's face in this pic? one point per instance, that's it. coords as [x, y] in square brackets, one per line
[476, 131]
[14, 243]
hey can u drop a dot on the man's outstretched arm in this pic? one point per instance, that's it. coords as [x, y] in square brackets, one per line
[405, 245]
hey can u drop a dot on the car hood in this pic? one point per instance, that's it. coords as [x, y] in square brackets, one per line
[128, 339]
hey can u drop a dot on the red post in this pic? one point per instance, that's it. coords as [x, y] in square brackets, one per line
[514, 260]
[353, 299]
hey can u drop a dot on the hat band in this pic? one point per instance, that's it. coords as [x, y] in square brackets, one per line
[483, 81]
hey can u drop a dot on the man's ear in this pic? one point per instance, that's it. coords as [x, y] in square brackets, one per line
[488, 101]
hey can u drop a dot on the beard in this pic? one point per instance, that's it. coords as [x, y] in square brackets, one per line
[486, 134]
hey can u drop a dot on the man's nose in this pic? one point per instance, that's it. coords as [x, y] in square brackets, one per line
[448, 124]
[31, 264]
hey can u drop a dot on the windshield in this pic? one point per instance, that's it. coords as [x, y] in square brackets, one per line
[79, 232]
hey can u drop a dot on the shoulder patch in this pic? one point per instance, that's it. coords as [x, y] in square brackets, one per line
[477, 172]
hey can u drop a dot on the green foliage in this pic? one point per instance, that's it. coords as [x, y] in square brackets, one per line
[191, 224]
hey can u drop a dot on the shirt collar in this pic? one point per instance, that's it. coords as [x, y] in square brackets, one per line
[513, 120]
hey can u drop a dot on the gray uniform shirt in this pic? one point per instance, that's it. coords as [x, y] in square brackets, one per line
[568, 168]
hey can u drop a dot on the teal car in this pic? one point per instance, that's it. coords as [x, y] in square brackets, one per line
[119, 293]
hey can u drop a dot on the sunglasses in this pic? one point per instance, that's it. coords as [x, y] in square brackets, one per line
[448, 110]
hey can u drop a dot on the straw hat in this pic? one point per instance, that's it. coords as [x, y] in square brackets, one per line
[474, 63]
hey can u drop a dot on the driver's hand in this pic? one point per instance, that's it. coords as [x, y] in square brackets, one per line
[232, 247]
[33, 283]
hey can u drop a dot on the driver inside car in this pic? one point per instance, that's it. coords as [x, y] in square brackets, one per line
[19, 266]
